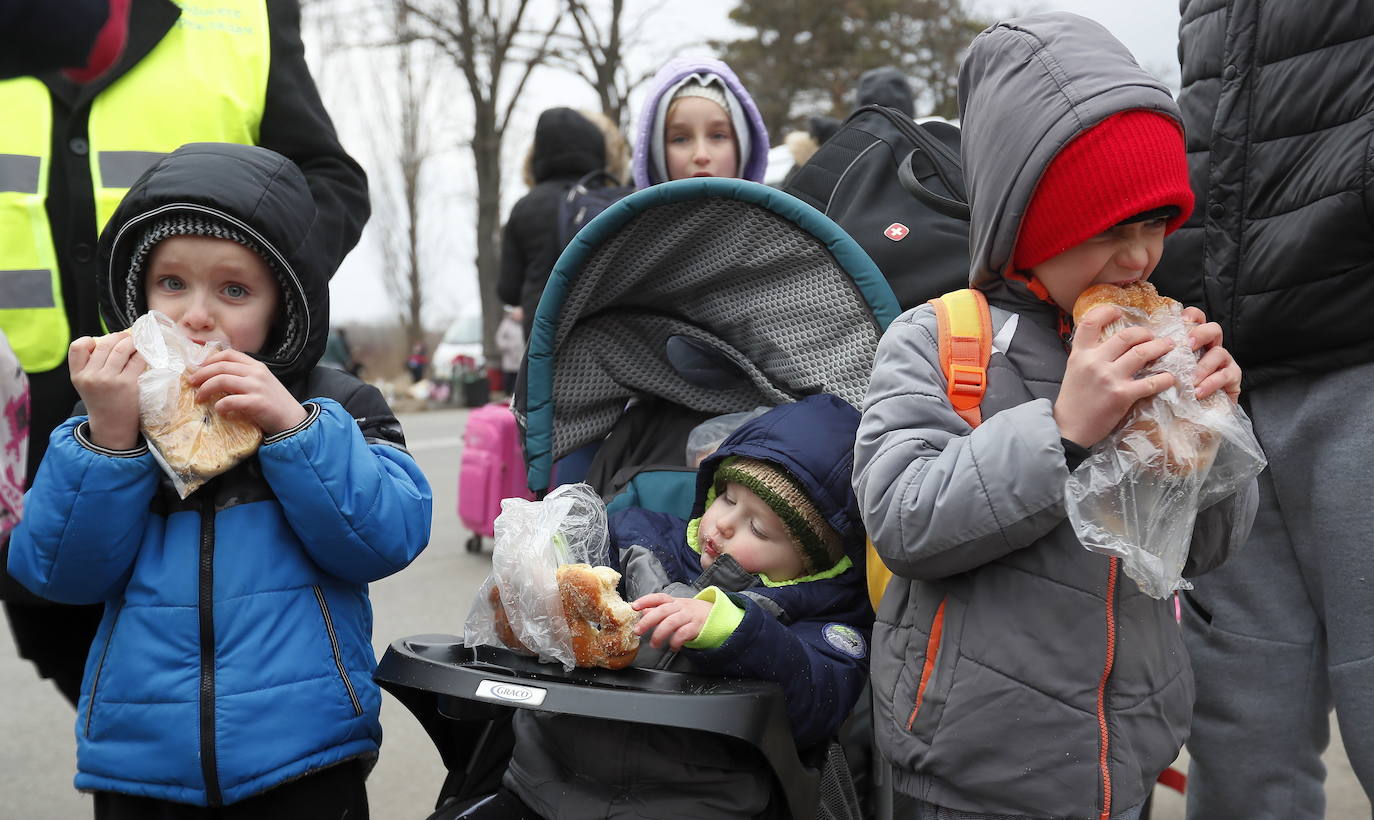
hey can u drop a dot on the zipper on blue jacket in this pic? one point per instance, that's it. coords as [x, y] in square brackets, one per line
[334, 645]
[206, 607]
[95, 682]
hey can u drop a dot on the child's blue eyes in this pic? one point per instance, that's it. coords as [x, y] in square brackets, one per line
[172, 283]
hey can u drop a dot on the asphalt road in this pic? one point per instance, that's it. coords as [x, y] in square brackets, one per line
[38, 750]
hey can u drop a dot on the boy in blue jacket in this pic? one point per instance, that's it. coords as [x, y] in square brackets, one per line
[233, 667]
[766, 582]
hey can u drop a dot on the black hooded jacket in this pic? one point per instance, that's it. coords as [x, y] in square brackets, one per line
[1280, 138]
[566, 147]
[266, 196]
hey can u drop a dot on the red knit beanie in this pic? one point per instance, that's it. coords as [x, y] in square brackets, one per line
[1127, 164]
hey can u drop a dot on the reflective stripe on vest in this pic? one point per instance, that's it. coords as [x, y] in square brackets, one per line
[205, 81]
[31, 310]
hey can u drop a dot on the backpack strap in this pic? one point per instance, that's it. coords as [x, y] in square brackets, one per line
[965, 327]
[965, 339]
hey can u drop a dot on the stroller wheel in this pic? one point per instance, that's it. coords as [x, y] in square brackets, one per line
[473, 544]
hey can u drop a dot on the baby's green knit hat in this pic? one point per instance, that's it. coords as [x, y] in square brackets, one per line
[816, 541]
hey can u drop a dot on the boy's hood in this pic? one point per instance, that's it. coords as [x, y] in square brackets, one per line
[260, 191]
[1026, 89]
[813, 439]
[566, 144]
[753, 135]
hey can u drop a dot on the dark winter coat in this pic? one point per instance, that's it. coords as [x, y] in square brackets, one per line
[1014, 672]
[809, 637]
[294, 123]
[567, 146]
[1280, 250]
[235, 650]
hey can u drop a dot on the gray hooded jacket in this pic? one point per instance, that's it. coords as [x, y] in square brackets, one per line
[1015, 672]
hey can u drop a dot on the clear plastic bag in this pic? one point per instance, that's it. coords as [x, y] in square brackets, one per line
[191, 441]
[519, 606]
[14, 436]
[1139, 491]
[706, 437]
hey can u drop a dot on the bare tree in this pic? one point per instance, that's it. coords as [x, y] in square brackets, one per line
[596, 52]
[490, 45]
[398, 196]
[371, 47]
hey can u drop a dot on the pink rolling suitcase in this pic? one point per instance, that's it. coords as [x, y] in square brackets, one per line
[492, 468]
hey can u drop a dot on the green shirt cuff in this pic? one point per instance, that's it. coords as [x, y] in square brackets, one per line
[725, 617]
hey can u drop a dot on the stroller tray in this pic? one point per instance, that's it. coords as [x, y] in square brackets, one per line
[748, 710]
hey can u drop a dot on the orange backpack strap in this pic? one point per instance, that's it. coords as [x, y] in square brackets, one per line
[965, 326]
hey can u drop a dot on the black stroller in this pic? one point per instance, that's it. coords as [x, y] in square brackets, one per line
[680, 303]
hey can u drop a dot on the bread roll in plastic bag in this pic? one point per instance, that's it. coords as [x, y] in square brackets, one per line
[191, 441]
[519, 606]
[1139, 491]
[14, 436]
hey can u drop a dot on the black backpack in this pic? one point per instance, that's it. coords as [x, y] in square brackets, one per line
[589, 196]
[897, 187]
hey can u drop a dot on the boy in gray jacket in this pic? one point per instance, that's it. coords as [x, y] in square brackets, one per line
[1017, 674]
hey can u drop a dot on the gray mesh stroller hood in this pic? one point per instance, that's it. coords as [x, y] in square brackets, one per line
[718, 295]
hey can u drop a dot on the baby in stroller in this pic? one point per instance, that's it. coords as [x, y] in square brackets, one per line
[686, 301]
[762, 583]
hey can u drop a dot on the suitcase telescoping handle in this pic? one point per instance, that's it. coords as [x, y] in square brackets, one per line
[952, 208]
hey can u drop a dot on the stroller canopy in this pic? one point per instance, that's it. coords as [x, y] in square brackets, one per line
[718, 295]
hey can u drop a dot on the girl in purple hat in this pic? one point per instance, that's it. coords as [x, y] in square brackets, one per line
[699, 121]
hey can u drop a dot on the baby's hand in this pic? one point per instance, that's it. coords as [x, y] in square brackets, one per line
[678, 620]
[1099, 382]
[105, 374]
[1216, 369]
[246, 388]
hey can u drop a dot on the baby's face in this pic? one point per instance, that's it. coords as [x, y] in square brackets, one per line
[1118, 256]
[739, 524]
[700, 141]
[214, 290]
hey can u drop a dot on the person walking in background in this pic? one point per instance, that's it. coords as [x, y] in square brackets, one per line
[510, 340]
[235, 75]
[416, 362]
[698, 120]
[1279, 108]
[234, 667]
[566, 147]
[1015, 672]
[885, 85]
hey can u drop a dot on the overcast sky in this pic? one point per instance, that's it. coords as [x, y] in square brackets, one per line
[1148, 27]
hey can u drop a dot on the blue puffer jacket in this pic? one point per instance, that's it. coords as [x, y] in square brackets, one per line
[235, 651]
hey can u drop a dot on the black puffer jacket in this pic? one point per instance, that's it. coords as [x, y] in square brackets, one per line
[566, 147]
[1278, 103]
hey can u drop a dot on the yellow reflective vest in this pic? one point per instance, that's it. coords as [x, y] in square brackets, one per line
[205, 81]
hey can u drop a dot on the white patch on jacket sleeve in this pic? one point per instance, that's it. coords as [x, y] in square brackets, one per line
[846, 639]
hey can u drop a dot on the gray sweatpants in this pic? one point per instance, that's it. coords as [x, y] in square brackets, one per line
[1291, 630]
